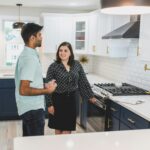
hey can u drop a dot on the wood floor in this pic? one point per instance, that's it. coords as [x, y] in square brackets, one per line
[11, 129]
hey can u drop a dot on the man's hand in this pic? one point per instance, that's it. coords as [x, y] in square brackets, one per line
[51, 86]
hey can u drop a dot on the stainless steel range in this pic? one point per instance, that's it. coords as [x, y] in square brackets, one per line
[111, 89]
[96, 113]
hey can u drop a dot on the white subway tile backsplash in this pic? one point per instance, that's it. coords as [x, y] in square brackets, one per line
[47, 59]
[130, 70]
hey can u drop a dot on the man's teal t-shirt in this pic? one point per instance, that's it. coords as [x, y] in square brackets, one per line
[28, 67]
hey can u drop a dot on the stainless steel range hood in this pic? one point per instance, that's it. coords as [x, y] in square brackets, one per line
[129, 30]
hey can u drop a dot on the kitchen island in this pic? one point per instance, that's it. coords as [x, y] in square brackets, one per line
[114, 140]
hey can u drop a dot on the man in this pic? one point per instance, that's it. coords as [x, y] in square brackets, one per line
[29, 82]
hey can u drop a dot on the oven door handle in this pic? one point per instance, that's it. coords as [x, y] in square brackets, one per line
[101, 94]
[100, 104]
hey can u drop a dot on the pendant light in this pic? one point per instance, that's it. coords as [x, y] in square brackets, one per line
[125, 7]
[19, 24]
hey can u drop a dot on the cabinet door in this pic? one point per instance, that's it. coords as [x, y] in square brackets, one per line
[65, 29]
[112, 124]
[80, 43]
[113, 116]
[50, 33]
[93, 34]
[112, 47]
[124, 127]
[8, 108]
[8, 103]
[144, 37]
[132, 120]
[57, 29]
[104, 27]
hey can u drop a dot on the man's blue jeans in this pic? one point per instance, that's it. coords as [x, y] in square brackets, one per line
[33, 122]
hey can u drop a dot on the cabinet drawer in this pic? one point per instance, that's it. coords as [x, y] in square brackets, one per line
[124, 127]
[132, 120]
[7, 83]
[114, 109]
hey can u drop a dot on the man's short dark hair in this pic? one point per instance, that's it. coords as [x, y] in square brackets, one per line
[28, 30]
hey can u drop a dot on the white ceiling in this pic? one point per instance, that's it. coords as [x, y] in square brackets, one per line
[67, 4]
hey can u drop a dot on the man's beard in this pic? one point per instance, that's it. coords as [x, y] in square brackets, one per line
[38, 44]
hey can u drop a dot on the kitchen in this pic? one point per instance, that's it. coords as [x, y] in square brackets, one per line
[109, 60]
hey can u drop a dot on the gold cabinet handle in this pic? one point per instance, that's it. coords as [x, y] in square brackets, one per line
[146, 67]
[131, 121]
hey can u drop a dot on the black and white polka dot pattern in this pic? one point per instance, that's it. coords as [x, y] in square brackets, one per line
[69, 81]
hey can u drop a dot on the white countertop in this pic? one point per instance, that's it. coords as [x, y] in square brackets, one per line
[11, 75]
[6, 76]
[115, 140]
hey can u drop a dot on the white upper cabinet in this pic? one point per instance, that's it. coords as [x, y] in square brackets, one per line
[80, 33]
[84, 31]
[144, 41]
[49, 32]
[57, 29]
[65, 27]
[93, 34]
[111, 47]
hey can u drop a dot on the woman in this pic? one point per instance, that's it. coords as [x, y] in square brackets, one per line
[70, 78]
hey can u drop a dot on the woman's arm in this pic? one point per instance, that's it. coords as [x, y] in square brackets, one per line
[84, 86]
[49, 77]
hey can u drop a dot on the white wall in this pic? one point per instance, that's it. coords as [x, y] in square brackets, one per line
[130, 70]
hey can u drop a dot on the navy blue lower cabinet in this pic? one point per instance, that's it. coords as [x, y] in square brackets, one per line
[113, 116]
[112, 124]
[124, 127]
[132, 120]
[120, 118]
[83, 115]
[8, 108]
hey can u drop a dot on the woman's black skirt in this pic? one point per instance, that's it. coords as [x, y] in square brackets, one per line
[64, 117]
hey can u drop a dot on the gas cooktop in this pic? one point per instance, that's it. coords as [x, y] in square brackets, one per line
[124, 89]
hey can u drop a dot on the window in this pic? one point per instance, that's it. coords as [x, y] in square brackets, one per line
[13, 43]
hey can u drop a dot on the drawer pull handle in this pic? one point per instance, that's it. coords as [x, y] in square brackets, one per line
[109, 123]
[131, 121]
[113, 109]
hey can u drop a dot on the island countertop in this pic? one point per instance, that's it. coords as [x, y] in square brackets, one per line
[113, 140]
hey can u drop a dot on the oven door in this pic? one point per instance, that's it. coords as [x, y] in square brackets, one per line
[96, 114]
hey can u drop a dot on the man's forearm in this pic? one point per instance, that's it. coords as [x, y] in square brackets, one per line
[33, 91]
[26, 90]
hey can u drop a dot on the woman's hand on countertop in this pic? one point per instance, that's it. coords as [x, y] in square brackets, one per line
[92, 100]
